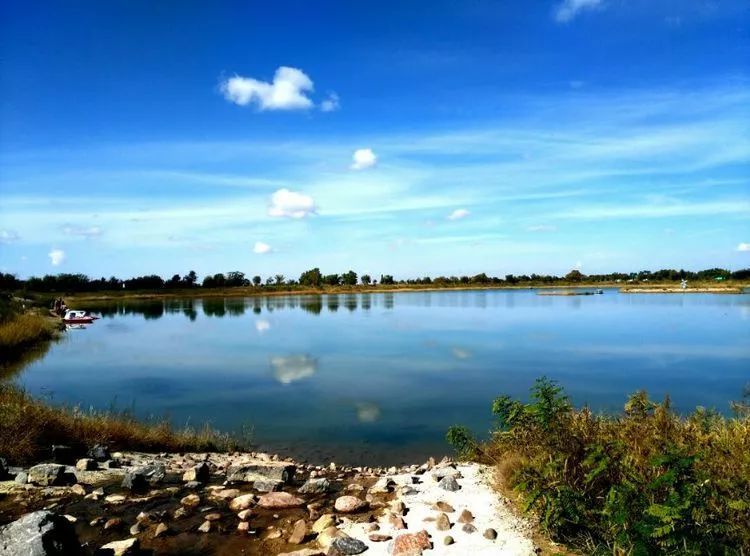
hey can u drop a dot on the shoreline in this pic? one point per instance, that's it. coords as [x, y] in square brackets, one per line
[333, 290]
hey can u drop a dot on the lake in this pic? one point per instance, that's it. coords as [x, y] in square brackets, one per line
[363, 378]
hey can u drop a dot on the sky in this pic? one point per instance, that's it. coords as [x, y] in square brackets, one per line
[406, 138]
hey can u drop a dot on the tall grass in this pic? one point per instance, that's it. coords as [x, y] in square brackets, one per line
[644, 482]
[29, 427]
[21, 330]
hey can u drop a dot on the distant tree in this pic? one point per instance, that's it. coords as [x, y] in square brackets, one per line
[349, 278]
[257, 280]
[387, 279]
[480, 279]
[332, 279]
[174, 282]
[236, 279]
[574, 275]
[190, 279]
[511, 279]
[366, 279]
[279, 278]
[269, 281]
[151, 282]
[311, 277]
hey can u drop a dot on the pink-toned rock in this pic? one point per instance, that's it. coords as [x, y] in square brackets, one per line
[397, 522]
[298, 532]
[349, 504]
[242, 502]
[280, 500]
[411, 544]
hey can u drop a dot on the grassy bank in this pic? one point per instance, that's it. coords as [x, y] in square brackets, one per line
[644, 482]
[20, 330]
[31, 426]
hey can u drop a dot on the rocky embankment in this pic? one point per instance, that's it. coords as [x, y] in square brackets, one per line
[251, 503]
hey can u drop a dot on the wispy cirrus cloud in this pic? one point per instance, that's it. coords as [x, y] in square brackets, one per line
[9, 236]
[458, 214]
[567, 10]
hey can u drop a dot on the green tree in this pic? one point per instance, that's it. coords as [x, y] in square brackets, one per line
[387, 279]
[311, 277]
[349, 278]
[574, 275]
[256, 280]
[279, 278]
[366, 279]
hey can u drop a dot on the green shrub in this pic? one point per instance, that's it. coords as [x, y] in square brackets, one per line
[644, 482]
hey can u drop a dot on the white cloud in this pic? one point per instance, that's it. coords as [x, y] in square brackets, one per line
[743, 247]
[331, 103]
[458, 214]
[262, 325]
[567, 10]
[291, 204]
[8, 236]
[261, 248]
[286, 92]
[542, 228]
[292, 368]
[56, 257]
[93, 231]
[363, 158]
[460, 353]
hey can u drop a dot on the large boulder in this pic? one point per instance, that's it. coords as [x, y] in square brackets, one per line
[40, 533]
[142, 477]
[261, 471]
[47, 474]
[99, 452]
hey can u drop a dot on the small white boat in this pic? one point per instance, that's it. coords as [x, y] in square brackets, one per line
[78, 317]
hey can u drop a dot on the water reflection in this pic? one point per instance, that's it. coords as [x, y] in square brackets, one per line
[292, 368]
[367, 412]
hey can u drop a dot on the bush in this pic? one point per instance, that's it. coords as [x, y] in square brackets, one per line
[644, 482]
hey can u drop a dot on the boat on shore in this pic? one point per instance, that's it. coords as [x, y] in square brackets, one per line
[78, 317]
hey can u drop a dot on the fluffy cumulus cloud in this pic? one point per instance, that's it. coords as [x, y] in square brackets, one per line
[458, 214]
[9, 236]
[743, 247]
[567, 10]
[291, 204]
[363, 158]
[261, 248]
[288, 90]
[56, 257]
[86, 232]
[331, 103]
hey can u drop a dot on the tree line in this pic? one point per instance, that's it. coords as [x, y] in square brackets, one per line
[314, 278]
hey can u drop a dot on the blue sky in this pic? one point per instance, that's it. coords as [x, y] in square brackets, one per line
[408, 138]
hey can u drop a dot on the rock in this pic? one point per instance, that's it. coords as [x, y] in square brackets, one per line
[410, 544]
[468, 528]
[135, 529]
[193, 484]
[47, 474]
[398, 507]
[62, 454]
[275, 534]
[125, 547]
[443, 507]
[465, 517]
[249, 473]
[86, 464]
[78, 490]
[161, 530]
[180, 512]
[22, 478]
[97, 521]
[448, 540]
[214, 516]
[99, 452]
[443, 523]
[200, 473]
[244, 515]
[115, 499]
[378, 537]
[143, 517]
[299, 530]
[349, 504]
[315, 486]
[449, 483]
[243, 527]
[39, 533]
[191, 500]
[205, 527]
[111, 464]
[446, 472]
[348, 545]
[225, 493]
[142, 477]
[304, 552]
[490, 534]
[267, 485]
[134, 481]
[242, 502]
[324, 522]
[112, 523]
[328, 535]
[280, 500]
[383, 485]
[396, 522]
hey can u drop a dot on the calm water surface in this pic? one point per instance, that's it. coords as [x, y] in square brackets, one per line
[380, 377]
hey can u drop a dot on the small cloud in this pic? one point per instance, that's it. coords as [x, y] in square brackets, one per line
[293, 368]
[286, 92]
[542, 228]
[458, 214]
[331, 103]
[290, 204]
[578, 265]
[91, 232]
[367, 412]
[744, 247]
[460, 353]
[363, 158]
[262, 325]
[261, 248]
[567, 10]
[8, 236]
[56, 257]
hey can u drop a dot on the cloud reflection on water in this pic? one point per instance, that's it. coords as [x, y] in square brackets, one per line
[291, 368]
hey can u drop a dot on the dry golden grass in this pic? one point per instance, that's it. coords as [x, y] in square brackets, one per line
[29, 427]
[22, 330]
